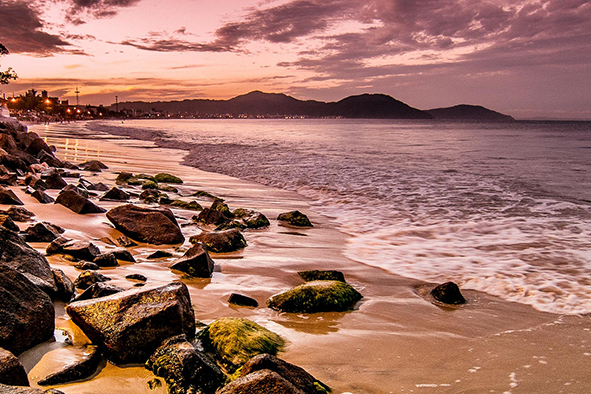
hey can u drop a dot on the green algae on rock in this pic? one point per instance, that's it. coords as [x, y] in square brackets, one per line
[164, 177]
[316, 296]
[313, 275]
[234, 341]
[295, 218]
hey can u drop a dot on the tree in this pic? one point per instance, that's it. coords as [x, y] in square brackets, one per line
[6, 76]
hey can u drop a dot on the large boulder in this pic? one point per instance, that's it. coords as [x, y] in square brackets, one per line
[26, 313]
[234, 341]
[221, 241]
[184, 368]
[195, 262]
[18, 214]
[316, 296]
[106, 260]
[42, 197]
[43, 232]
[154, 226]
[295, 218]
[77, 203]
[260, 382]
[129, 326]
[16, 254]
[12, 371]
[8, 197]
[81, 369]
[55, 181]
[82, 250]
[448, 293]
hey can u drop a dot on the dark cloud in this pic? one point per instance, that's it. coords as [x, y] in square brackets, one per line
[173, 45]
[79, 10]
[21, 30]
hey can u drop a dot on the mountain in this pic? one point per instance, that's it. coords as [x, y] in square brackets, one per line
[469, 112]
[257, 103]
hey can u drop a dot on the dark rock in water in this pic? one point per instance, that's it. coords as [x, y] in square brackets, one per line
[43, 232]
[313, 275]
[86, 266]
[79, 370]
[149, 196]
[167, 188]
[106, 260]
[8, 179]
[125, 242]
[129, 326]
[139, 277]
[16, 254]
[12, 371]
[292, 373]
[221, 241]
[160, 254]
[167, 178]
[82, 250]
[77, 203]
[184, 368]
[295, 218]
[93, 166]
[220, 205]
[8, 197]
[195, 262]
[98, 290]
[211, 216]
[35, 144]
[26, 313]
[42, 197]
[149, 185]
[251, 218]
[155, 226]
[188, 205]
[448, 293]
[317, 296]
[70, 166]
[51, 160]
[89, 278]
[65, 286]
[19, 214]
[242, 300]
[55, 181]
[123, 177]
[99, 187]
[7, 222]
[234, 341]
[260, 382]
[116, 194]
[123, 254]
[80, 189]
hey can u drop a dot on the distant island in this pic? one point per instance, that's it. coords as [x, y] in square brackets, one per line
[277, 105]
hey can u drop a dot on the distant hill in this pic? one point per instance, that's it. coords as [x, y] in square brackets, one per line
[469, 112]
[257, 103]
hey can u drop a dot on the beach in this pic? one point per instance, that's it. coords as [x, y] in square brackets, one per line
[395, 340]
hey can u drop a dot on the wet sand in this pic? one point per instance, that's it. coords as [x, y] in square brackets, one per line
[396, 340]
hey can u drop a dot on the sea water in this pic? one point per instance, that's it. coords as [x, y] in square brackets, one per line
[504, 208]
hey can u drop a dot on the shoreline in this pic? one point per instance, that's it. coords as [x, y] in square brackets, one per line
[395, 340]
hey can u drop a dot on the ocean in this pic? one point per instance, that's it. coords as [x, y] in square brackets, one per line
[503, 208]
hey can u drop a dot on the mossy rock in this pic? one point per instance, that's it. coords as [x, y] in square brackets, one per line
[139, 179]
[251, 218]
[189, 205]
[164, 177]
[203, 193]
[313, 275]
[316, 296]
[123, 177]
[234, 341]
[295, 218]
[166, 188]
[149, 185]
[221, 206]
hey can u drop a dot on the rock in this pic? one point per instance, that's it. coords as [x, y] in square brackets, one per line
[155, 226]
[89, 278]
[203, 193]
[65, 286]
[129, 326]
[317, 296]
[251, 218]
[123, 177]
[123, 254]
[149, 196]
[77, 203]
[168, 188]
[19, 214]
[125, 242]
[8, 197]
[7, 222]
[12, 371]
[116, 194]
[8, 179]
[242, 300]
[4, 389]
[195, 262]
[16, 254]
[219, 205]
[99, 187]
[149, 185]
[313, 275]
[86, 266]
[234, 341]
[26, 312]
[98, 290]
[43, 232]
[260, 382]
[188, 205]
[139, 277]
[82, 250]
[292, 373]
[79, 189]
[167, 178]
[93, 166]
[448, 293]
[55, 181]
[70, 166]
[42, 197]
[184, 368]
[106, 260]
[221, 241]
[82, 369]
[211, 216]
[160, 254]
[295, 218]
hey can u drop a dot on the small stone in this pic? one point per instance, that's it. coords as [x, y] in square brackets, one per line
[115, 194]
[7, 222]
[448, 293]
[295, 218]
[86, 266]
[106, 260]
[55, 181]
[64, 285]
[139, 277]
[221, 241]
[317, 296]
[81, 369]
[77, 203]
[125, 242]
[97, 290]
[167, 178]
[88, 278]
[123, 254]
[313, 275]
[195, 262]
[160, 254]
[242, 300]
[42, 197]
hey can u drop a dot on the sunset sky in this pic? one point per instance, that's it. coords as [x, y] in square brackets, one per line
[526, 58]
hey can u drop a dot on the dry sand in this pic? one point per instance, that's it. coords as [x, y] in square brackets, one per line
[395, 341]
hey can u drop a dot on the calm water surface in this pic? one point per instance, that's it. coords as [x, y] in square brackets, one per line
[501, 208]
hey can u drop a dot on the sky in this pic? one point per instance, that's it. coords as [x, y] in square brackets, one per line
[525, 58]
